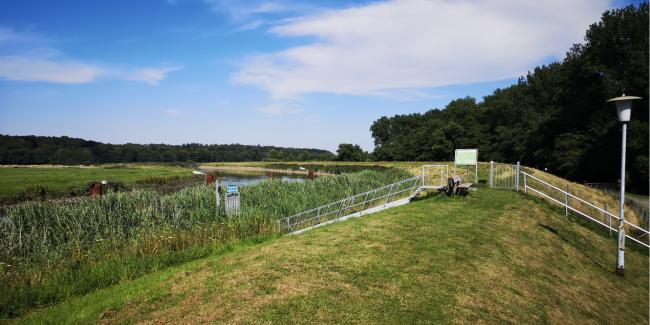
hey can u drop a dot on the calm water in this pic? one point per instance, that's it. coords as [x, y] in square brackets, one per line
[250, 178]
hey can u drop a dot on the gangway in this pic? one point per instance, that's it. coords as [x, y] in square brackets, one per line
[375, 200]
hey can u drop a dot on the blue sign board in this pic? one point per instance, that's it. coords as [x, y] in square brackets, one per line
[232, 188]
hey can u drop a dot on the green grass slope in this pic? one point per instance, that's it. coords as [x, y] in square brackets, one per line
[492, 257]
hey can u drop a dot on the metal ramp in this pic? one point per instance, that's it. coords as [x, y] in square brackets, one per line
[381, 198]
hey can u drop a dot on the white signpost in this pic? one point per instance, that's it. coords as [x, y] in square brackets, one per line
[467, 157]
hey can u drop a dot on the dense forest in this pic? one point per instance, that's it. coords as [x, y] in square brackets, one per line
[556, 117]
[73, 151]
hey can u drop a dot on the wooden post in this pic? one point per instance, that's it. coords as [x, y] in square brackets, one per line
[96, 189]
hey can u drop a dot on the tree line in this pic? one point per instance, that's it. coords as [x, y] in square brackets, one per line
[556, 117]
[73, 151]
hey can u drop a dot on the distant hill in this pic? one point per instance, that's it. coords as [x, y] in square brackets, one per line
[73, 151]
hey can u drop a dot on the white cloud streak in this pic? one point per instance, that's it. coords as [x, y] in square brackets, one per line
[152, 76]
[30, 61]
[279, 109]
[39, 69]
[416, 44]
[29, 68]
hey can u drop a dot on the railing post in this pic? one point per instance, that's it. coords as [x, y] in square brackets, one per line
[566, 201]
[390, 190]
[318, 215]
[423, 176]
[525, 188]
[517, 177]
[342, 206]
[566, 204]
[365, 200]
[491, 174]
[610, 220]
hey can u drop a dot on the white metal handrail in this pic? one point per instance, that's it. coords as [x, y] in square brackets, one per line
[570, 195]
[325, 212]
[569, 207]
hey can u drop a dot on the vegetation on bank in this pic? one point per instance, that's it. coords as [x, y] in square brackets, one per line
[557, 117]
[53, 250]
[73, 151]
[28, 183]
[492, 257]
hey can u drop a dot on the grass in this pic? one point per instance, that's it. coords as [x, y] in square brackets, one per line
[50, 251]
[18, 183]
[492, 257]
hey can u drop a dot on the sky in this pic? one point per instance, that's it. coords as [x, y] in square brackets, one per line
[271, 72]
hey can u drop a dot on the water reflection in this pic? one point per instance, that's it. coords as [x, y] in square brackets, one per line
[250, 178]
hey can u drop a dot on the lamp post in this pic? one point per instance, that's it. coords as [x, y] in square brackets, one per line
[624, 110]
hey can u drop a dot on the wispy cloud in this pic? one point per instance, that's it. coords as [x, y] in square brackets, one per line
[250, 26]
[152, 76]
[39, 69]
[31, 61]
[279, 109]
[418, 44]
[249, 15]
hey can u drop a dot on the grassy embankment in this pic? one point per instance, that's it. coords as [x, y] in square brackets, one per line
[51, 251]
[21, 183]
[492, 257]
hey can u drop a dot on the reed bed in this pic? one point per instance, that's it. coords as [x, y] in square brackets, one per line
[52, 250]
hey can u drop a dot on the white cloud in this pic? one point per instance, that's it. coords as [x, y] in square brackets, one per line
[56, 70]
[25, 57]
[250, 26]
[414, 44]
[252, 14]
[42, 69]
[152, 76]
[279, 109]
[243, 10]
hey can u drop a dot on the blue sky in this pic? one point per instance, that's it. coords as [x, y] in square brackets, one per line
[297, 74]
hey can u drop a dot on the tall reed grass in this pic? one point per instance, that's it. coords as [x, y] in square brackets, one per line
[52, 250]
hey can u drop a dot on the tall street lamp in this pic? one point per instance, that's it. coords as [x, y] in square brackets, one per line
[624, 110]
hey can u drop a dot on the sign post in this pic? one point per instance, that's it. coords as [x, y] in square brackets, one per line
[467, 157]
[232, 200]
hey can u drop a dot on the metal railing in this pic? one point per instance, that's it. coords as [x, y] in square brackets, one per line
[434, 175]
[349, 205]
[581, 207]
[504, 175]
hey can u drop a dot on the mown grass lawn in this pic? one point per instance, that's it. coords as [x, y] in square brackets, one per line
[492, 257]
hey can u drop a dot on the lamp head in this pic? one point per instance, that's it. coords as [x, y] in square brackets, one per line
[624, 107]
